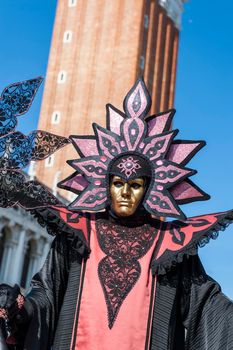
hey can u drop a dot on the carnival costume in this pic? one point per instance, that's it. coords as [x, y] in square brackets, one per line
[115, 283]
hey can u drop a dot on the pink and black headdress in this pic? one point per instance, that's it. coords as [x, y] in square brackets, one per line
[132, 142]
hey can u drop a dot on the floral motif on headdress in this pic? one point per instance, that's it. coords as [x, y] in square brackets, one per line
[128, 166]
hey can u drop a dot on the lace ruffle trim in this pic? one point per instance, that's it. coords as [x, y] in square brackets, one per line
[54, 226]
[175, 258]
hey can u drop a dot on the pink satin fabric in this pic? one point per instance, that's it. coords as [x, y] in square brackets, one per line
[130, 328]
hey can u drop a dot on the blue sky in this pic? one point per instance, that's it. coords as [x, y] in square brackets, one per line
[204, 94]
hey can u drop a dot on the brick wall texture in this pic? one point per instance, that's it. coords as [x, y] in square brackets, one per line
[112, 43]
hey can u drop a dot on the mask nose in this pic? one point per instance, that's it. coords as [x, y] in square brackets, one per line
[126, 191]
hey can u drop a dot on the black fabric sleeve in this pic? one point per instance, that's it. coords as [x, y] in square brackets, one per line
[46, 297]
[207, 312]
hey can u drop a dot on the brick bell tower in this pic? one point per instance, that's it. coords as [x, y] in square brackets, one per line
[98, 50]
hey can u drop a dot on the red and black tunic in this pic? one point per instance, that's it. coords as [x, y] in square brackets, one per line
[140, 286]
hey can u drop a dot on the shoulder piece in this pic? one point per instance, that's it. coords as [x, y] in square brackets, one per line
[57, 220]
[179, 238]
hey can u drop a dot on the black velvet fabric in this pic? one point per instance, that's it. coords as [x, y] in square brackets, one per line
[191, 312]
[46, 297]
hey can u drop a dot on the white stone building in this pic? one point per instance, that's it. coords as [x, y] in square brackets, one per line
[24, 245]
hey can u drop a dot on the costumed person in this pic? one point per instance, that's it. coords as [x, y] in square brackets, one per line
[118, 276]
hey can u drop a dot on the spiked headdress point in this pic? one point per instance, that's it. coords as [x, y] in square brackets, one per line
[129, 136]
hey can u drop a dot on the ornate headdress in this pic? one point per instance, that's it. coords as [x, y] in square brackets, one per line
[129, 139]
[132, 142]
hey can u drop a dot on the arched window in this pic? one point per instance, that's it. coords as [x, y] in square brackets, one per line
[61, 78]
[146, 21]
[56, 117]
[49, 161]
[67, 37]
[72, 3]
[142, 62]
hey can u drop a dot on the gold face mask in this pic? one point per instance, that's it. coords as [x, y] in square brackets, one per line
[126, 195]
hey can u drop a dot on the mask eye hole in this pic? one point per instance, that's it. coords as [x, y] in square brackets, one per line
[118, 183]
[135, 185]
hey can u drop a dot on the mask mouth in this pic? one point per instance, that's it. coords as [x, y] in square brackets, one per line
[139, 217]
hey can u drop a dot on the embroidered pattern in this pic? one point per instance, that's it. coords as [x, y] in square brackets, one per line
[15, 100]
[120, 270]
[17, 150]
[16, 189]
[129, 166]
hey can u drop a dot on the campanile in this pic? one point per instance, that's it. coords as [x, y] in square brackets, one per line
[98, 50]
